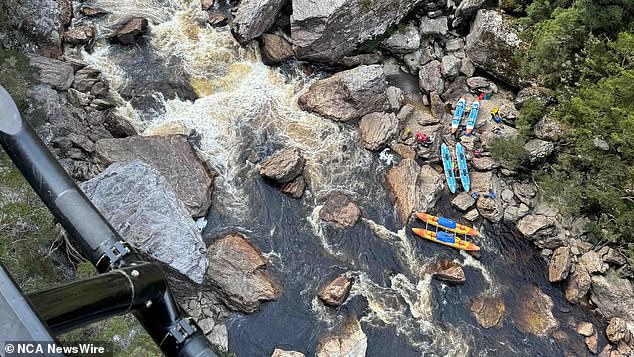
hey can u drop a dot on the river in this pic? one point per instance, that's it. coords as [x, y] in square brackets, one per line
[244, 112]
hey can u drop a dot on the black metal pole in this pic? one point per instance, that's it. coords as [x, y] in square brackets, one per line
[175, 332]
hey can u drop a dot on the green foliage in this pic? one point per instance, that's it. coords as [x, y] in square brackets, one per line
[532, 111]
[17, 76]
[510, 153]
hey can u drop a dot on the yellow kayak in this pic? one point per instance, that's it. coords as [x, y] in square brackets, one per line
[447, 239]
[447, 224]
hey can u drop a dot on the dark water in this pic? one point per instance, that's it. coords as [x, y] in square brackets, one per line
[301, 264]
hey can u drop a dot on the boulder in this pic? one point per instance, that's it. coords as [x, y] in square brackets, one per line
[585, 329]
[173, 157]
[508, 112]
[613, 296]
[450, 66]
[544, 95]
[131, 31]
[463, 201]
[283, 166]
[533, 313]
[348, 95]
[617, 330]
[484, 163]
[533, 225]
[275, 49]
[58, 74]
[471, 215]
[447, 270]
[613, 256]
[86, 78]
[294, 188]
[548, 129]
[430, 77]
[143, 207]
[283, 353]
[435, 27]
[207, 4]
[560, 264]
[237, 269]
[413, 187]
[578, 284]
[455, 90]
[592, 343]
[524, 192]
[91, 11]
[351, 341]
[79, 35]
[465, 11]
[481, 84]
[216, 18]
[377, 129]
[340, 209]
[409, 113]
[437, 106]
[488, 131]
[488, 310]
[405, 39]
[593, 263]
[489, 209]
[331, 29]
[466, 67]
[219, 336]
[395, 97]
[336, 292]
[538, 149]
[454, 45]
[491, 44]
[361, 59]
[253, 17]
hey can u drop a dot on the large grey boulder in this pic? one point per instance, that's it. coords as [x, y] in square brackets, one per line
[465, 11]
[275, 49]
[578, 284]
[533, 312]
[430, 77]
[283, 166]
[491, 45]
[405, 39]
[174, 157]
[434, 27]
[237, 268]
[538, 149]
[331, 29]
[58, 74]
[613, 296]
[340, 209]
[350, 342]
[413, 187]
[377, 129]
[533, 225]
[348, 95]
[142, 206]
[559, 265]
[549, 129]
[253, 17]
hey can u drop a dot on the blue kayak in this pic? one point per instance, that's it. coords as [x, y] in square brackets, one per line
[473, 116]
[447, 164]
[457, 114]
[462, 166]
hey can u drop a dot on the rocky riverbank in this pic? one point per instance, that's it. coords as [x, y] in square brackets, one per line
[387, 71]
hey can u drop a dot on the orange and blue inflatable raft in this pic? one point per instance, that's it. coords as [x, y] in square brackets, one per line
[447, 224]
[447, 239]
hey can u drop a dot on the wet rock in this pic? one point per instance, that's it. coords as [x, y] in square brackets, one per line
[360, 59]
[348, 95]
[578, 284]
[585, 328]
[617, 330]
[593, 263]
[471, 215]
[560, 335]
[51, 71]
[488, 310]
[275, 49]
[533, 225]
[283, 166]
[413, 187]
[132, 30]
[350, 342]
[489, 209]
[294, 188]
[377, 129]
[118, 126]
[336, 292]
[434, 27]
[613, 296]
[237, 269]
[340, 208]
[538, 149]
[533, 313]
[450, 66]
[173, 157]
[489, 44]
[560, 264]
[91, 11]
[405, 39]
[141, 205]
[463, 201]
[447, 270]
[592, 343]
[430, 77]
[549, 129]
[484, 163]
[253, 17]
[283, 353]
[333, 29]
[79, 35]
[465, 11]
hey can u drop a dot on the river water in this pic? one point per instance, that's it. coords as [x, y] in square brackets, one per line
[244, 111]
